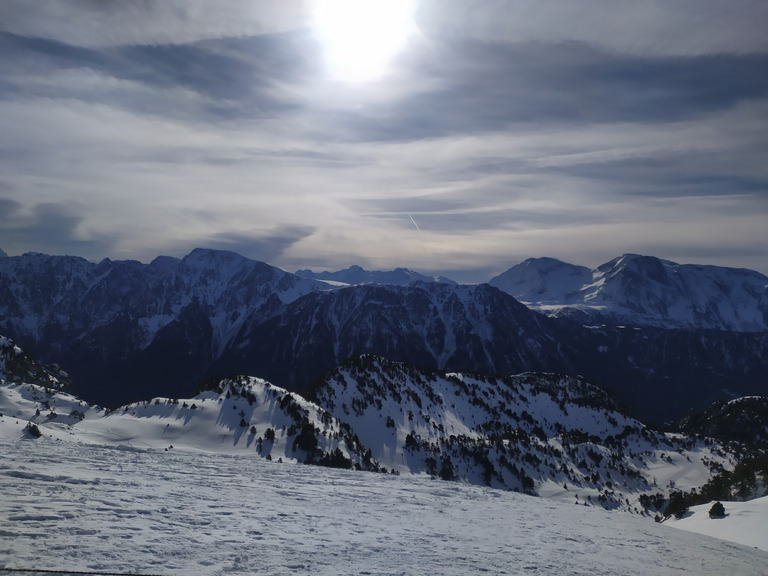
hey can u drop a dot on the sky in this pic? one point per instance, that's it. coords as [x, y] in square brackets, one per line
[448, 136]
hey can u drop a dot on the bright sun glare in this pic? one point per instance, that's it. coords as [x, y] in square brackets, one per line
[360, 37]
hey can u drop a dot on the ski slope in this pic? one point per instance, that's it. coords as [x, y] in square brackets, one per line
[72, 506]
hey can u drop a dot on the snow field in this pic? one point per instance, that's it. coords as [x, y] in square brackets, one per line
[73, 506]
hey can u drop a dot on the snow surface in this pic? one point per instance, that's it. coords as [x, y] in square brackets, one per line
[744, 522]
[179, 487]
[71, 506]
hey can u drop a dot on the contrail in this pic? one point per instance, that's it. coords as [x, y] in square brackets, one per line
[421, 238]
[414, 223]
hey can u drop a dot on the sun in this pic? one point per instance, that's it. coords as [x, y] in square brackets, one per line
[360, 37]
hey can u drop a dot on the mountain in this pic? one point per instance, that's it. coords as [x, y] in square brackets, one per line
[541, 281]
[743, 420]
[540, 433]
[475, 328]
[643, 291]
[355, 275]
[659, 373]
[17, 366]
[124, 329]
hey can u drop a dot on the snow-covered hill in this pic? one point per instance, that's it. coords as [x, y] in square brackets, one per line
[643, 291]
[541, 433]
[17, 366]
[239, 416]
[355, 275]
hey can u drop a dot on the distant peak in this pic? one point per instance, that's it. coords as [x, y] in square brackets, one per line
[213, 254]
[3, 254]
[544, 262]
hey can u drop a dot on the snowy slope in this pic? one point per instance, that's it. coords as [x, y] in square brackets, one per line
[744, 522]
[17, 366]
[544, 434]
[234, 418]
[161, 475]
[643, 291]
[541, 433]
[69, 506]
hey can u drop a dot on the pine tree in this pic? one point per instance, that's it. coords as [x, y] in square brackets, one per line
[717, 510]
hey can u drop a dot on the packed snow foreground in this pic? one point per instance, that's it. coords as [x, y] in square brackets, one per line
[72, 506]
[214, 484]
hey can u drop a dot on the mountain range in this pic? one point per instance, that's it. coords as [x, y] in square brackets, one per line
[664, 338]
[355, 275]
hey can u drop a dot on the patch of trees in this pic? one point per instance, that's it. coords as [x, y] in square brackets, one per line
[335, 459]
[306, 440]
[741, 483]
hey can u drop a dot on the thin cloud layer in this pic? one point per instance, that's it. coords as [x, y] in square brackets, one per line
[137, 129]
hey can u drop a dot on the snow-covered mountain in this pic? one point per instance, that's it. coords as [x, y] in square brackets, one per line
[643, 291]
[539, 433]
[17, 366]
[472, 328]
[742, 420]
[355, 275]
[137, 326]
[126, 331]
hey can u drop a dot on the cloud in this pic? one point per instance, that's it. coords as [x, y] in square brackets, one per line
[107, 23]
[479, 87]
[504, 130]
[48, 227]
[656, 27]
[265, 247]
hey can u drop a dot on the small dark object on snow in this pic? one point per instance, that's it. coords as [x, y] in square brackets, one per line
[717, 510]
